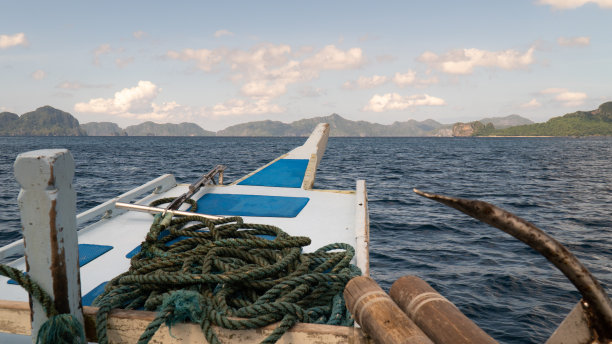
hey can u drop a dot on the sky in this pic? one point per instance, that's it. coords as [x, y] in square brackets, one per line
[220, 63]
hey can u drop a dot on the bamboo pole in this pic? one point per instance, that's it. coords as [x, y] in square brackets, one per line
[379, 316]
[434, 314]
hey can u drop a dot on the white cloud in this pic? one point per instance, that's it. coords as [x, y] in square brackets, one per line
[571, 4]
[574, 41]
[39, 75]
[426, 82]
[133, 100]
[553, 90]
[139, 34]
[221, 33]
[7, 41]
[365, 82]
[234, 107]
[264, 88]
[332, 58]
[124, 62]
[205, 59]
[394, 101]
[570, 99]
[75, 85]
[404, 79]
[463, 61]
[533, 103]
[565, 97]
[266, 70]
[101, 50]
[139, 102]
[400, 79]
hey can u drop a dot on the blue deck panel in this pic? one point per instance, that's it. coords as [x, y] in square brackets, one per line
[88, 299]
[87, 253]
[251, 205]
[287, 173]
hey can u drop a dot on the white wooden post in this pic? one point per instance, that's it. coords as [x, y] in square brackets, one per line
[47, 203]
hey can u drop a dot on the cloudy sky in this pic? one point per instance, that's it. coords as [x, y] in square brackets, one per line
[227, 62]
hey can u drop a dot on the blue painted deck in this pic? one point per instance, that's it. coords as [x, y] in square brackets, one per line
[251, 205]
[87, 253]
[88, 299]
[287, 173]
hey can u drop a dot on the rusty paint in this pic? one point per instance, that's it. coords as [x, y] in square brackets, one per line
[51, 176]
[58, 268]
[27, 264]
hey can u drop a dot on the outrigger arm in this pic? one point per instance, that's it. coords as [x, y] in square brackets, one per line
[596, 305]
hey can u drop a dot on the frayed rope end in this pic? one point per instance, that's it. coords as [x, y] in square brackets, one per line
[62, 329]
[188, 306]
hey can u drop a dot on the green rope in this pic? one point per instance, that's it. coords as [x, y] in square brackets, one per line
[223, 273]
[59, 328]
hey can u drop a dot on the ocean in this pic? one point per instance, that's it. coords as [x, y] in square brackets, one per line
[562, 185]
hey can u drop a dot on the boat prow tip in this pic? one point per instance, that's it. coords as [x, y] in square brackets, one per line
[296, 169]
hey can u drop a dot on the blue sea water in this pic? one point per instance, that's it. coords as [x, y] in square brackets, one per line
[562, 185]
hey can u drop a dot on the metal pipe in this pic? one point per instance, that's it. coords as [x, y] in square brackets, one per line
[596, 302]
[206, 179]
[155, 210]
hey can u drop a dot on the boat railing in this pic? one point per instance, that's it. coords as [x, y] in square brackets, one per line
[105, 210]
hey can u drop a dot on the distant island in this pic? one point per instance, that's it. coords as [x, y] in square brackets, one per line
[45, 121]
[48, 121]
[580, 123]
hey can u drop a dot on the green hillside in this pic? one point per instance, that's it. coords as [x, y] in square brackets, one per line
[103, 129]
[167, 129]
[44, 121]
[580, 123]
[339, 126]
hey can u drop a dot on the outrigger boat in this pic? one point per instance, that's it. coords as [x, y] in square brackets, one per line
[264, 258]
[279, 194]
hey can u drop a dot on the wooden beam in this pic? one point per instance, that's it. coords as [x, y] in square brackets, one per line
[362, 229]
[126, 326]
[47, 203]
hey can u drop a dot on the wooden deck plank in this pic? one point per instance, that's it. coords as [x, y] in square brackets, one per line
[126, 326]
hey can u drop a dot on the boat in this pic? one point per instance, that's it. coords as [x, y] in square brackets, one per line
[280, 194]
[265, 258]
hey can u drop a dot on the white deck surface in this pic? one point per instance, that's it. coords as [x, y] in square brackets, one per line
[328, 217]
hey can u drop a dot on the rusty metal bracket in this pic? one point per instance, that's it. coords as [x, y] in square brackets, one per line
[596, 302]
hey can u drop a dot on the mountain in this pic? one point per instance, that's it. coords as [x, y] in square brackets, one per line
[8, 122]
[259, 128]
[44, 121]
[476, 128]
[103, 129]
[506, 122]
[339, 126]
[480, 127]
[167, 129]
[580, 123]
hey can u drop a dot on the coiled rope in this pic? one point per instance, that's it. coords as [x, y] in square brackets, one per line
[229, 274]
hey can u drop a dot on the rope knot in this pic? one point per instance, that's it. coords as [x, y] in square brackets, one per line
[185, 306]
[63, 329]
